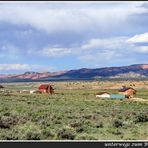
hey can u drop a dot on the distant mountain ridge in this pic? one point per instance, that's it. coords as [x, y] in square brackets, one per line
[132, 71]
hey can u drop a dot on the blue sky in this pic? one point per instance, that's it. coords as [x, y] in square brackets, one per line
[55, 36]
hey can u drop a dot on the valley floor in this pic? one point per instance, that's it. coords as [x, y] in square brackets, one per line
[73, 112]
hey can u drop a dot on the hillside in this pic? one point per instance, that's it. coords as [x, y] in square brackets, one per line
[132, 71]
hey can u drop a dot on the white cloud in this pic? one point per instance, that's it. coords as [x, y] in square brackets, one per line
[98, 51]
[74, 19]
[100, 57]
[54, 52]
[140, 38]
[14, 67]
[108, 43]
[142, 49]
[102, 51]
[137, 42]
[110, 51]
[106, 48]
[99, 32]
[23, 67]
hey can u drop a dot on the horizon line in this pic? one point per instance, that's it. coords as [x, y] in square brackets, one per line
[73, 69]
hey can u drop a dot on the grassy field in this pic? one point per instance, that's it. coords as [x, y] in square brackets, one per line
[72, 113]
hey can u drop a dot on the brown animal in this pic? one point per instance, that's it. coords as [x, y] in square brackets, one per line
[128, 91]
[46, 88]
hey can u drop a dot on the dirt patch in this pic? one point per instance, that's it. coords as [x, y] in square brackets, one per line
[138, 100]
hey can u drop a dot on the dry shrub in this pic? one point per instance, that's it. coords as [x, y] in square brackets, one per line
[8, 121]
[117, 123]
[67, 133]
[141, 117]
[85, 137]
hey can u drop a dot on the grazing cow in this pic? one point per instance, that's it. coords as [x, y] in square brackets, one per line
[128, 91]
